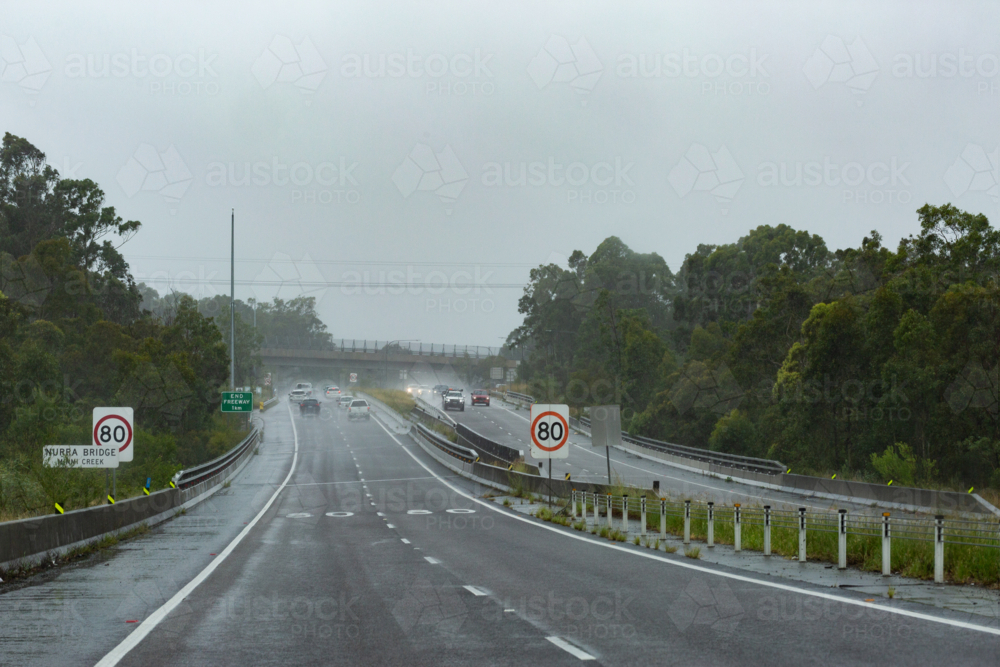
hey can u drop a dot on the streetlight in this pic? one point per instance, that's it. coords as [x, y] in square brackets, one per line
[385, 369]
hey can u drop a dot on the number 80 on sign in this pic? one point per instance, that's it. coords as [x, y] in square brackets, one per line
[113, 427]
[549, 431]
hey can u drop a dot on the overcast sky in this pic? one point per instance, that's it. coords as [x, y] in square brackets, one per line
[357, 139]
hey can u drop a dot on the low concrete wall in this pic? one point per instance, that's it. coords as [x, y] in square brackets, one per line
[27, 541]
[889, 497]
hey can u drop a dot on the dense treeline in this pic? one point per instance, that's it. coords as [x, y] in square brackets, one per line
[866, 361]
[73, 335]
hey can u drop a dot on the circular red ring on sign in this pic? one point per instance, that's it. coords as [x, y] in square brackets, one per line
[122, 420]
[565, 431]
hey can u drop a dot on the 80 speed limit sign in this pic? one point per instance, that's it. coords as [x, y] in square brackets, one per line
[549, 431]
[113, 427]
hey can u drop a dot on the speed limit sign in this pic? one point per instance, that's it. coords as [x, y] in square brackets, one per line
[549, 431]
[113, 426]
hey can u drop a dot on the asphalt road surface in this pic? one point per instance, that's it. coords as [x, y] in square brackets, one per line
[359, 549]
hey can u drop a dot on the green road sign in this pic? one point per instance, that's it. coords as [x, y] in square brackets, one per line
[237, 401]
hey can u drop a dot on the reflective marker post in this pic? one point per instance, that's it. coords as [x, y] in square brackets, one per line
[642, 515]
[711, 524]
[802, 534]
[663, 518]
[609, 511]
[842, 541]
[767, 530]
[737, 536]
[939, 549]
[886, 546]
[687, 522]
[625, 514]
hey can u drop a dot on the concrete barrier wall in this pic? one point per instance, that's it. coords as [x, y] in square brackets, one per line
[27, 540]
[943, 502]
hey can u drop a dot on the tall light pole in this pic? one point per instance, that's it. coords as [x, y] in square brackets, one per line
[232, 300]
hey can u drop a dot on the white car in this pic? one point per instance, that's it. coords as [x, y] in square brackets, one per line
[332, 392]
[297, 395]
[306, 388]
[359, 409]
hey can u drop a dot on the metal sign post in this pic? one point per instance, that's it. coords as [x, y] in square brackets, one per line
[606, 430]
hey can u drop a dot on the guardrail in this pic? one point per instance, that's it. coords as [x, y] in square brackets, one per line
[464, 454]
[748, 463]
[657, 513]
[485, 446]
[271, 402]
[192, 476]
[523, 398]
[430, 412]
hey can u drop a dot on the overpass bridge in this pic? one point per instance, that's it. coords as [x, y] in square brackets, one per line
[374, 360]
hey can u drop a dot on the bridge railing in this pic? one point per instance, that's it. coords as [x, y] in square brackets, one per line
[379, 347]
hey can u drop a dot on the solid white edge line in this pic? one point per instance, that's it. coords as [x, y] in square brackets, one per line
[705, 570]
[117, 653]
[569, 648]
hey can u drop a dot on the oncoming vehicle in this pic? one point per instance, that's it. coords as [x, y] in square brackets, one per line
[454, 399]
[412, 389]
[309, 406]
[480, 397]
[359, 409]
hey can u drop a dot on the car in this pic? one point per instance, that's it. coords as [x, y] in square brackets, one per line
[359, 409]
[423, 389]
[481, 397]
[440, 389]
[454, 399]
[297, 395]
[412, 389]
[309, 406]
[305, 387]
[332, 392]
[344, 401]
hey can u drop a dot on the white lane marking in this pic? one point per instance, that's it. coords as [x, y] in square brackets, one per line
[404, 540]
[380, 513]
[339, 514]
[115, 655]
[475, 590]
[389, 525]
[569, 648]
[460, 511]
[419, 512]
[431, 560]
[700, 568]
[298, 515]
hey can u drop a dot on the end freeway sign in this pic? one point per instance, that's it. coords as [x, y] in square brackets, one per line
[237, 401]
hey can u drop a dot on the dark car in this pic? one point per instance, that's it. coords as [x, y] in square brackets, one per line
[309, 406]
[440, 389]
[480, 397]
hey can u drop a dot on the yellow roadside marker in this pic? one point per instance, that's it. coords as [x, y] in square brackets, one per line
[59, 508]
[971, 489]
[787, 472]
[567, 477]
[145, 490]
[834, 476]
[111, 499]
[890, 483]
[172, 485]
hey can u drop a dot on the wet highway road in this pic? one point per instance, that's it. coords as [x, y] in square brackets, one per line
[373, 554]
